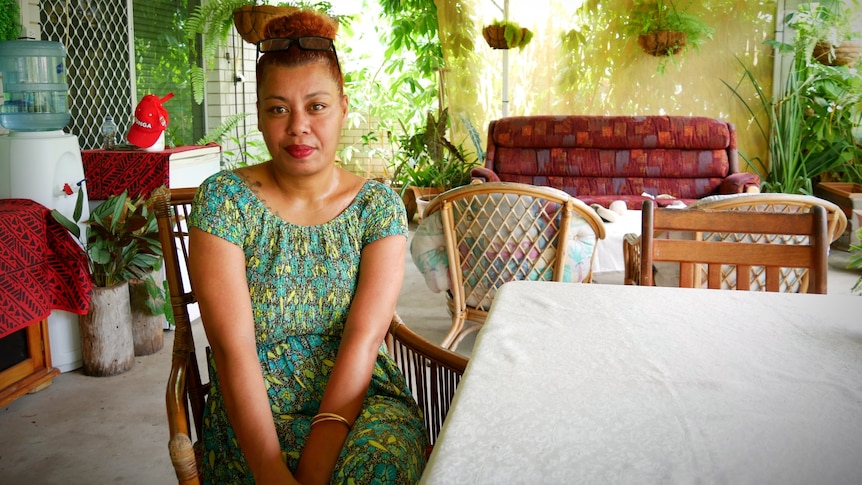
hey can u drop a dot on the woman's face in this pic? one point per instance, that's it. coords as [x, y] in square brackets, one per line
[301, 114]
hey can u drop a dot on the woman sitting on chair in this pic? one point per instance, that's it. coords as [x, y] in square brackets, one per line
[297, 265]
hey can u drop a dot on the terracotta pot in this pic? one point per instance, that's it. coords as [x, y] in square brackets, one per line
[664, 43]
[106, 332]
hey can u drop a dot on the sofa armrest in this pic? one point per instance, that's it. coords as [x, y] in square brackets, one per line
[484, 174]
[739, 183]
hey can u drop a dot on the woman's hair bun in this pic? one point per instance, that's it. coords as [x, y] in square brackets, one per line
[302, 23]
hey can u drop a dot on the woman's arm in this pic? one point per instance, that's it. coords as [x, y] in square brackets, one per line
[217, 270]
[381, 272]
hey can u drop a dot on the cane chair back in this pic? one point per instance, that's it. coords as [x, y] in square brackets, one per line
[186, 390]
[432, 373]
[761, 250]
[499, 232]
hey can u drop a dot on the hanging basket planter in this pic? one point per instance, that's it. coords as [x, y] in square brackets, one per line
[843, 54]
[663, 43]
[250, 20]
[495, 36]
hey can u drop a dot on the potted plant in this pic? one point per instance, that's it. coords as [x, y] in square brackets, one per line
[213, 20]
[148, 299]
[663, 29]
[504, 34]
[429, 163]
[113, 243]
[10, 20]
[828, 30]
[791, 168]
[825, 132]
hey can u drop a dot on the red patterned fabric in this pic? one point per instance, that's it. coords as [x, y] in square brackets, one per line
[42, 267]
[110, 172]
[599, 159]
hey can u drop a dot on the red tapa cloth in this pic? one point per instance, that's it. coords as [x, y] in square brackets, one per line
[110, 172]
[42, 267]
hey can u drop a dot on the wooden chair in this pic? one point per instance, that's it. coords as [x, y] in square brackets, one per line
[431, 372]
[186, 390]
[498, 232]
[764, 246]
[836, 220]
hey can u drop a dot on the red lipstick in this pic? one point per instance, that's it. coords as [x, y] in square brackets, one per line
[299, 151]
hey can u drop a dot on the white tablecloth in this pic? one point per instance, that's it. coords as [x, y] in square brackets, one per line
[609, 251]
[580, 383]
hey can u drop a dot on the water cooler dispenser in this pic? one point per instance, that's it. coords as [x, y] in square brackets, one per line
[37, 159]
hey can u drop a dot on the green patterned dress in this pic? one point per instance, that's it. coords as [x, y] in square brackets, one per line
[302, 280]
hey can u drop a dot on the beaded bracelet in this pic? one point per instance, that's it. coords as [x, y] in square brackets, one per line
[320, 417]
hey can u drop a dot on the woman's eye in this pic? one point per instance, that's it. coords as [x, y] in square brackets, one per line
[317, 106]
[278, 110]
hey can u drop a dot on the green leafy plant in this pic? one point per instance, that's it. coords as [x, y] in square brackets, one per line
[828, 21]
[396, 91]
[831, 95]
[250, 150]
[428, 159]
[121, 238]
[213, 20]
[791, 169]
[663, 28]
[10, 23]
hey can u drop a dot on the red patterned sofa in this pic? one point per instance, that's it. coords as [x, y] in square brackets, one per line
[600, 159]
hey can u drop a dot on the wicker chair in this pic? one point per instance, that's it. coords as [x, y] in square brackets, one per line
[431, 372]
[766, 202]
[776, 251]
[498, 232]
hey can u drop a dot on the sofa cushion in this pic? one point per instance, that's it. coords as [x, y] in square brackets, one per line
[612, 132]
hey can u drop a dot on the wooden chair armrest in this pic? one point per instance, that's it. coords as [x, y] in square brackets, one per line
[632, 258]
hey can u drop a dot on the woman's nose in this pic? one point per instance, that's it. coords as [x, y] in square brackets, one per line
[298, 122]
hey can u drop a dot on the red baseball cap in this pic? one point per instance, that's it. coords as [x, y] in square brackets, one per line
[151, 119]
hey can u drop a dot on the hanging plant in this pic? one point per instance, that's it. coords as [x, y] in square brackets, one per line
[664, 29]
[828, 30]
[214, 19]
[502, 34]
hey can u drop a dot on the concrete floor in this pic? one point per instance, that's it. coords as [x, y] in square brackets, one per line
[85, 430]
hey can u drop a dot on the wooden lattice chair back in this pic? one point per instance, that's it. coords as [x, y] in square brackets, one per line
[794, 280]
[499, 232]
[186, 390]
[432, 373]
[777, 251]
[836, 220]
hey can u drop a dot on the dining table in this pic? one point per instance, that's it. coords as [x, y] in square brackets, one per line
[596, 383]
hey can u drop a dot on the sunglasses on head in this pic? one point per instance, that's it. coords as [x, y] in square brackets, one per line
[304, 43]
